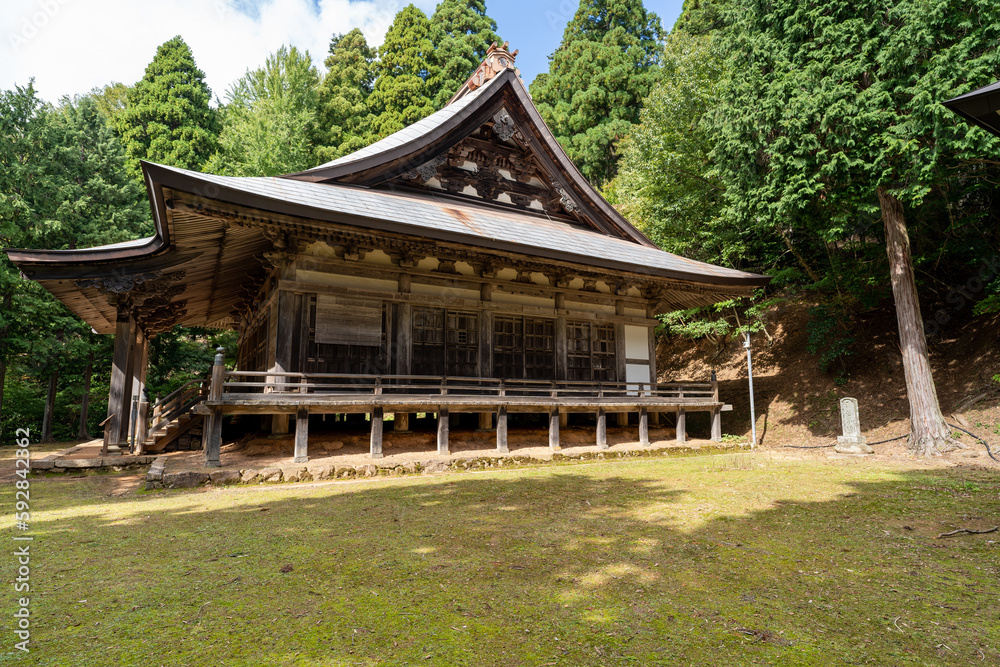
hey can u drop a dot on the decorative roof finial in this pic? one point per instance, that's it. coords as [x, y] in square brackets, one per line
[498, 59]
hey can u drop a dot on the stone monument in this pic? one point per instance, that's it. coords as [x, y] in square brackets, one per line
[852, 442]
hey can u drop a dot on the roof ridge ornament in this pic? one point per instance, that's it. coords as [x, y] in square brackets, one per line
[498, 59]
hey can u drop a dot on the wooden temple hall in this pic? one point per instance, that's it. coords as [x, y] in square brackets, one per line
[461, 265]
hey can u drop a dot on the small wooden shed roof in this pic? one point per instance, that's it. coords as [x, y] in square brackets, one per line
[980, 107]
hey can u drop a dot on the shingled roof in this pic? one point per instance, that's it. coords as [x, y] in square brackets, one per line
[530, 201]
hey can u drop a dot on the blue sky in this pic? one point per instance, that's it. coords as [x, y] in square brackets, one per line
[71, 46]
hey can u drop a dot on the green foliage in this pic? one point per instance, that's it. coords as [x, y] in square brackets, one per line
[826, 101]
[830, 336]
[344, 119]
[167, 118]
[270, 118]
[401, 94]
[667, 184]
[111, 101]
[598, 78]
[461, 33]
[183, 354]
[722, 321]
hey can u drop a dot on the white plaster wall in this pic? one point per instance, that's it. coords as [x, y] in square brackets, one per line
[637, 343]
[349, 282]
[442, 291]
[523, 299]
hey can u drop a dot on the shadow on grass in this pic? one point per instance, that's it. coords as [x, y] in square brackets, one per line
[728, 560]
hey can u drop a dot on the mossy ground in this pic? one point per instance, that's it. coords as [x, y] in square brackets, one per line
[719, 560]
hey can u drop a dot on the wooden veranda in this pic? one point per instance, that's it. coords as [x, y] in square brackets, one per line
[304, 394]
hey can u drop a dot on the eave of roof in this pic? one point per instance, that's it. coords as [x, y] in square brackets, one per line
[443, 219]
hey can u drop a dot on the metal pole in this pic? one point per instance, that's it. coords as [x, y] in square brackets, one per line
[753, 413]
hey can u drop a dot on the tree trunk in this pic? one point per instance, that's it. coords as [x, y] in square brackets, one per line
[50, 404]
[7, 298]
[83, 433]
[928, 432]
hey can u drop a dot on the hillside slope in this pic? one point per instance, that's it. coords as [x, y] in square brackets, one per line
[797, 403]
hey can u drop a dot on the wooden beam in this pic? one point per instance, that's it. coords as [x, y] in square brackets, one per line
[375, 448]
[442, 432]
[502, 430]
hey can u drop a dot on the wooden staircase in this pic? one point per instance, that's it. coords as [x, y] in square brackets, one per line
[174, 425]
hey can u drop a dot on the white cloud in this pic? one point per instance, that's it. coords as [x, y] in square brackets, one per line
[71, 46]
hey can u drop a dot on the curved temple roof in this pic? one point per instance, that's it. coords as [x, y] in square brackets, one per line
[211, 231]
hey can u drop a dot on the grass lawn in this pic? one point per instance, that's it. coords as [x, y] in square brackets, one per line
[724, 560]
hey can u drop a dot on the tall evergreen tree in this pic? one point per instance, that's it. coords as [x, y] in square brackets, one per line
[401, 95]
[344, 120]
[598, 78]
[167, 118]
[270, 118]
[461, 32]
[63, 185]
[831, 121]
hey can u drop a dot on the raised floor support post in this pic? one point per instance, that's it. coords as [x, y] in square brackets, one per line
[602, 429]
[681, 425]
[554, 430]
[120, 394]
[502, 430]
[485, 421]
[213, 439]
[716, 424]
[442, 434]
[375, 448]
[301, 436]
[279, 424]
[643, 427]
[401, 422]
[621, 418]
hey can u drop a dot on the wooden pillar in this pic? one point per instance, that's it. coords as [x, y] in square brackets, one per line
[485, 421]
[602, 429]
[563, 419]
[213, 425]
[120, 394]
[621, 418]
[375, 447]
[284, 344]
[502, 430]
[554, 430]
[560, 341]
[404, 339]
[442, 434]
[654, 418]
[643, 427]
[401, 422]
[619, 349]
[138, 367]
[681, 425]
